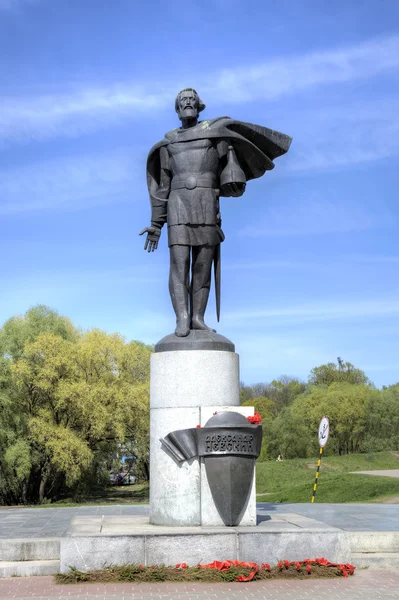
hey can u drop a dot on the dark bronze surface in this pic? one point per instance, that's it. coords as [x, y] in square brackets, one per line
[230, 476]
[196, 340]
[187, 172]
[229, 446]
[230, 480]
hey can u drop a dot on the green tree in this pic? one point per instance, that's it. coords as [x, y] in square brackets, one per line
[382, 421]
[266, 408]
[66, 401]
[19, 330]
[337, 373]
[346, 405]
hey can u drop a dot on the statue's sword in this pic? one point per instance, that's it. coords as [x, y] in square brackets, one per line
[216, 266]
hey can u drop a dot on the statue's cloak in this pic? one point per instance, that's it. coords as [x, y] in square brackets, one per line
[255, 146]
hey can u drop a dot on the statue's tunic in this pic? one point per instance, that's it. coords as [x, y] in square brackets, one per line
[193, 216]
[183, 173]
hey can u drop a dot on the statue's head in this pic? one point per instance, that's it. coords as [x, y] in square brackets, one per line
[188, 104]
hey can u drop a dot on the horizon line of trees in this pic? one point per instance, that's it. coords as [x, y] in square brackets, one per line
[72, 402]
[362, 417]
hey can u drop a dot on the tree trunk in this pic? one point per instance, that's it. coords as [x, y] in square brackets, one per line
[147, 469]
[44, 477]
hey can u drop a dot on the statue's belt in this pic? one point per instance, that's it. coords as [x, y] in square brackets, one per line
[191, 182]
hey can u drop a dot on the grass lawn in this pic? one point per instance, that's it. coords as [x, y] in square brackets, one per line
[137, 493]
[292, 480]
[130, 494]
[288, 481]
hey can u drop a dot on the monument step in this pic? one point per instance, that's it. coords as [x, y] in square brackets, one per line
[375, 560]
[374, 541]
[27, 568]
[29, 549]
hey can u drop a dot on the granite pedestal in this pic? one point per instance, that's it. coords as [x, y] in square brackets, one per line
[191, 378]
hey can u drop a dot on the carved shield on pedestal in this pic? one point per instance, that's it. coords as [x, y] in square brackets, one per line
[229, 446]
[230, 452]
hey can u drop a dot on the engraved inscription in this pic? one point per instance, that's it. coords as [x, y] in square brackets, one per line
[239, 443]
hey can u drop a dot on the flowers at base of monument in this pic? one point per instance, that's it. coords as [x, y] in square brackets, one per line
[285, 565]
[255, 420]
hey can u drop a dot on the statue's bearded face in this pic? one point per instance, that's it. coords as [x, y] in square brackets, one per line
[188, 105]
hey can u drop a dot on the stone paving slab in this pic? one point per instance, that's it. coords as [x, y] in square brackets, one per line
[54, 522]
[348, 517]
[364, 585]
[139, 525]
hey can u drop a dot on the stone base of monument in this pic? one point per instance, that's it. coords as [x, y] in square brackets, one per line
[93, 542]
[191, 379]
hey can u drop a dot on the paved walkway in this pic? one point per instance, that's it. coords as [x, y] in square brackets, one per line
[19, 523]
[364, 585]
[385, 473]
[53, 522]
[349, 517]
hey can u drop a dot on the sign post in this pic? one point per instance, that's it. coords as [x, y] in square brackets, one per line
[324, 430]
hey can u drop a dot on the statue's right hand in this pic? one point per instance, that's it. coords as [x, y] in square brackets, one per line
[153, 235]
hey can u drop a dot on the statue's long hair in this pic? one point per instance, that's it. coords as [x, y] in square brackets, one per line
[200, 104]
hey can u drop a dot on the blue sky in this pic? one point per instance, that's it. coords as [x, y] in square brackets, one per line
[311, 257]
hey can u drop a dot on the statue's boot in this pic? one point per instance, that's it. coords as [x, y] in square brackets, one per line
[199, 302]
[180, 305]
[182, 326]
[201, 283]
[178, 288]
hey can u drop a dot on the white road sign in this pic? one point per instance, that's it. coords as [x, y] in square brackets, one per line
[324, 430]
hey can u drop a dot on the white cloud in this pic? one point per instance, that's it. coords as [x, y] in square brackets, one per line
[75, 112]
[72, 114]
[67, 183]
[347, 135]
[322, 311]
[287, 75]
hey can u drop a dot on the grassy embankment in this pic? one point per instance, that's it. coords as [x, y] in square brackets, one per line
[292, 480]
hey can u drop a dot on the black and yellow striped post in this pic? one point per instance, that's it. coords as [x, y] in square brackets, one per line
[324, 432]
[317, 475]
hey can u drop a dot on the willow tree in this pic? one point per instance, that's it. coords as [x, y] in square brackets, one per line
[66, 396]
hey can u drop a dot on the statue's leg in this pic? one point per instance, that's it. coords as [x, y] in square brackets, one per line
[201, 283]
[178, 287]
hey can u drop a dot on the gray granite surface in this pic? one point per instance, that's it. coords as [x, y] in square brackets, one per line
[53, 522]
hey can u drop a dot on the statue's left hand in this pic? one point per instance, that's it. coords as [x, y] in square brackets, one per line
[234, 189]
[153, 235]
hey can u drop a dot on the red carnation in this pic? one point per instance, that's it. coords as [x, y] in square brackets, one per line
[298, 566]
[309, 569]
[184, 566]
[198, 426]
[178, 566]
[265, 566]
[255, 419]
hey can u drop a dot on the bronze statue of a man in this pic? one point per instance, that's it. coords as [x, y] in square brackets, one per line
[187, 172]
